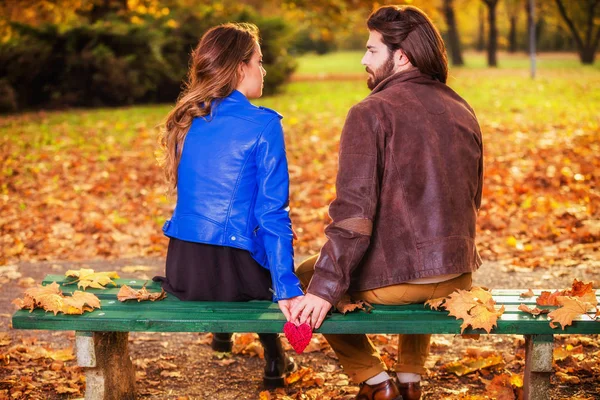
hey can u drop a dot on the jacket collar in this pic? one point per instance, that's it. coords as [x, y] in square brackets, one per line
[236, 95]
[412, 74]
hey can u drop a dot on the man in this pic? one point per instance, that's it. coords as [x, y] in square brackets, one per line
[408, 191]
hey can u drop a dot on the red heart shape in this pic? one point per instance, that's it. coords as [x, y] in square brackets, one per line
[298, 336]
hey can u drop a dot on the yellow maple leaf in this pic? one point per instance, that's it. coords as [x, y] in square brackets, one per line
[459, 303]
[87, 277]
[80, 302]
[482, 317]
[571, 308]
[482, 295]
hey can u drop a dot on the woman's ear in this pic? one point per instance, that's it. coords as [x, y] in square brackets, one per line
[241, 72]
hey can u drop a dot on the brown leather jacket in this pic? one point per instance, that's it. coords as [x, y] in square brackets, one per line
[408, 189]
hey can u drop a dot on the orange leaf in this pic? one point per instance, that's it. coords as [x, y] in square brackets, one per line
[571, 308]
[549, 299]
[580, 289]
[501, 388]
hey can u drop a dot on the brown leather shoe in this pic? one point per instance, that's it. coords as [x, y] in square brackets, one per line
[386, 390]
[410, 391]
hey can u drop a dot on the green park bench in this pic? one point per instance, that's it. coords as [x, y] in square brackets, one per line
[102, 335]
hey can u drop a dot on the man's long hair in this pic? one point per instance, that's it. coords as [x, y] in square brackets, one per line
[410, 29]
[213, 74]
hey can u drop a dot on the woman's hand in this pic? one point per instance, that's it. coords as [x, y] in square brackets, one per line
[287, 305]
[311, 310]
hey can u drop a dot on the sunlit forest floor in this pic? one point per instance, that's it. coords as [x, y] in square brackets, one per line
[83, 185]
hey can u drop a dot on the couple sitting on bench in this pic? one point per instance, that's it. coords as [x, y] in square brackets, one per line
[403, 222]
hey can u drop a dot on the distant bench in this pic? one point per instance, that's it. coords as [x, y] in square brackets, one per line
[102, 335]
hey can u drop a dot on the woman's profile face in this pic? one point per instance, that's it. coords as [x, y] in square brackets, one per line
[253, 76]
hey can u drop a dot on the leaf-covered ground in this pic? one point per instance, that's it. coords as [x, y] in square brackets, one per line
[84, 185]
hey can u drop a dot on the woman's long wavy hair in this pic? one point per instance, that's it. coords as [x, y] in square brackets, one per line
[213, 75]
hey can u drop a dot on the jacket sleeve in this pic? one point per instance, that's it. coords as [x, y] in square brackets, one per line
[272, 211]
[353, 210]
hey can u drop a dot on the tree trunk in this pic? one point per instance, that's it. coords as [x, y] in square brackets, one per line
[453, 37]
[512, 35]
[586, 49]
[481, 34]
[493, 33]
[587, 56]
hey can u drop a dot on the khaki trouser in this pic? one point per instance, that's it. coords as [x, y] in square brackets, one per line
[356, 352]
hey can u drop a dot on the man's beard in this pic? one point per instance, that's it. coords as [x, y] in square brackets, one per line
[383, 72]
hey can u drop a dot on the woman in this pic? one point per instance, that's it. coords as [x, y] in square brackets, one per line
[230, 233]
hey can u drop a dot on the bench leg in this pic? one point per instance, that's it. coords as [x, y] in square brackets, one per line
[109, 372]
[538, 366]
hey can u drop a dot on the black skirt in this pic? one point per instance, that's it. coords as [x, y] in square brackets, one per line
[204, 272]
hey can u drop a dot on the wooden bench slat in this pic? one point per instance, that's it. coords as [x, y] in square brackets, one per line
[266, 320]
[176, 305]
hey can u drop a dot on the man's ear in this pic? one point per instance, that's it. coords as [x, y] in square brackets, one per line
[401, 61]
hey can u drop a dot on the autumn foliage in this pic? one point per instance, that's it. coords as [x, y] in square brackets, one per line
[51, 298]
[476, 307]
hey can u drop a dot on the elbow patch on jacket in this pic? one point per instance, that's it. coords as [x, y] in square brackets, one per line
[359, 225]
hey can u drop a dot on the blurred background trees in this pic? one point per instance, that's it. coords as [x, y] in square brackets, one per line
[56, 53]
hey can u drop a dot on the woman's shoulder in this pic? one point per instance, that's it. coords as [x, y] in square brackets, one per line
[247, 111]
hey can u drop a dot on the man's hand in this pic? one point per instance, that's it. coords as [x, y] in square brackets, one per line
[287, 305]
[311, 310]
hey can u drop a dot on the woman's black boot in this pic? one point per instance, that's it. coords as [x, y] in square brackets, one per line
[277, 364]
[222, 342]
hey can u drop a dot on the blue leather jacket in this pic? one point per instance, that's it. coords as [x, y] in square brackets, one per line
[233, 188]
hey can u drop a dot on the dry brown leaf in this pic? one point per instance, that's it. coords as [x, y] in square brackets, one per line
[87, 277]
[346, 305]
[571, 308]
[533, 311]
[128, 293]
[527, 294]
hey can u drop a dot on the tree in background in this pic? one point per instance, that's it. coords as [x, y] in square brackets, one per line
[492, 46]
[481, 28]
[453, 37]
[513, 7]
[580, 17]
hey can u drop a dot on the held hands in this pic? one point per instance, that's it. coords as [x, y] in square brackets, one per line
[310, 309]
[287, 305]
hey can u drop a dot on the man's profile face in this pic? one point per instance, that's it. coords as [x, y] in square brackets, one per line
[378, 60]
